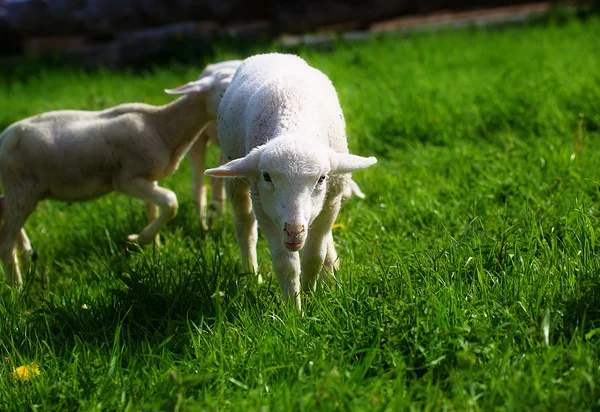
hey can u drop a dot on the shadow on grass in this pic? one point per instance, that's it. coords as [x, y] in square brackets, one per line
[105, 238]
[582, 312]
[151, 300]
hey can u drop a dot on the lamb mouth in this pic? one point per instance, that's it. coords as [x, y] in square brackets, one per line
[293, 247]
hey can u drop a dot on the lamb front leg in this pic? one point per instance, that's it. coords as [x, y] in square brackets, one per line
[246, 232]
[331, 261]
[149, 191]
[286, 264]
[319, 248]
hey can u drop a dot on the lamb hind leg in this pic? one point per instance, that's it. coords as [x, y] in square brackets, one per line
[24, 248]
[23, 243]
[150, 192]
[218, 194]
[16, 211]
[217, 205]
[152, 213]
[197, 154]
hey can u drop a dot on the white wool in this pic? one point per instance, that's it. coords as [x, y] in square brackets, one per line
[72, 155]
[282, 128]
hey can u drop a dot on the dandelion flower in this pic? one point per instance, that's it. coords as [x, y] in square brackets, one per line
[26, 372]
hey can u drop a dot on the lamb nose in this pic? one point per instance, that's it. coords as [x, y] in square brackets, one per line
[294, 230]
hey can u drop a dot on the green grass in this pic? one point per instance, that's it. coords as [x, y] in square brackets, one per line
[470, 275]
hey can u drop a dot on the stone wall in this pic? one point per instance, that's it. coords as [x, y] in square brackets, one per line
[112, 29]
[103, 17]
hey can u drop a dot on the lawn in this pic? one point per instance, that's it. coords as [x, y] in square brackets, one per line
[470, 276]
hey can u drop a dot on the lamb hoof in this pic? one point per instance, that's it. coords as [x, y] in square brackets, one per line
[216, 211]
[259, 279]
[133, 238]
[134, 241]
[205, 226]
[131, 243]
[217, 208]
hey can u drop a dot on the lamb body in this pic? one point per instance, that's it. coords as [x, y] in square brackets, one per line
[73, 155]
[281, 125]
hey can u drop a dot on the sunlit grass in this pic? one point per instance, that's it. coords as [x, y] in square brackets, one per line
[470, 274]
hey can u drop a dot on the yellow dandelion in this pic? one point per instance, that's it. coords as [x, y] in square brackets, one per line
[339, 226]
[26, 372]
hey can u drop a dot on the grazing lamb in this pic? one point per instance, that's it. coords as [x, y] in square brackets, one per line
[282, 128]
[74, 155]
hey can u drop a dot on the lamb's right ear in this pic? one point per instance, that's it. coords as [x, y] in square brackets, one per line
[242, 167]
[201, 85]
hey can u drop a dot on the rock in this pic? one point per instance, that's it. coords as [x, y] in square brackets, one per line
[41, 45]
[250, 31]
[294, 16]
[107, 55]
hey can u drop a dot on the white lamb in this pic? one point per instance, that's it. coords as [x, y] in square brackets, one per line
[197, 156]
[282, 128]
[75, 155]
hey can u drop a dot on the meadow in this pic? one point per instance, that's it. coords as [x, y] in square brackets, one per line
[470, 275]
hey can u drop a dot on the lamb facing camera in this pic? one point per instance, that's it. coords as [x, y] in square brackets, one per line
[281, 125]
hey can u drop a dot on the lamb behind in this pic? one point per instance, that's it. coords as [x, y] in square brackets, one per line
[282, 128]
[197, 153]
[73, 155]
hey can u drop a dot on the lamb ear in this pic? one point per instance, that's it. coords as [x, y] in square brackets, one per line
[348, 163]
[201, 85]
[242, 167]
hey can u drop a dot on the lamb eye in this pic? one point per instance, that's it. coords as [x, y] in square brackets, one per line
[267, 177]
[321, 180]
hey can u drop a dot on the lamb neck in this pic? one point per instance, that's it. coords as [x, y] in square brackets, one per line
[181, 121]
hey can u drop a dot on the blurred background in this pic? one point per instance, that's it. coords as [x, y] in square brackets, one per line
[116, 33]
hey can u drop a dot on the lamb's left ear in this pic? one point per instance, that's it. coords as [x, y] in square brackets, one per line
[201, 85]
[348, 163]
[242, 167]
[220, 78]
